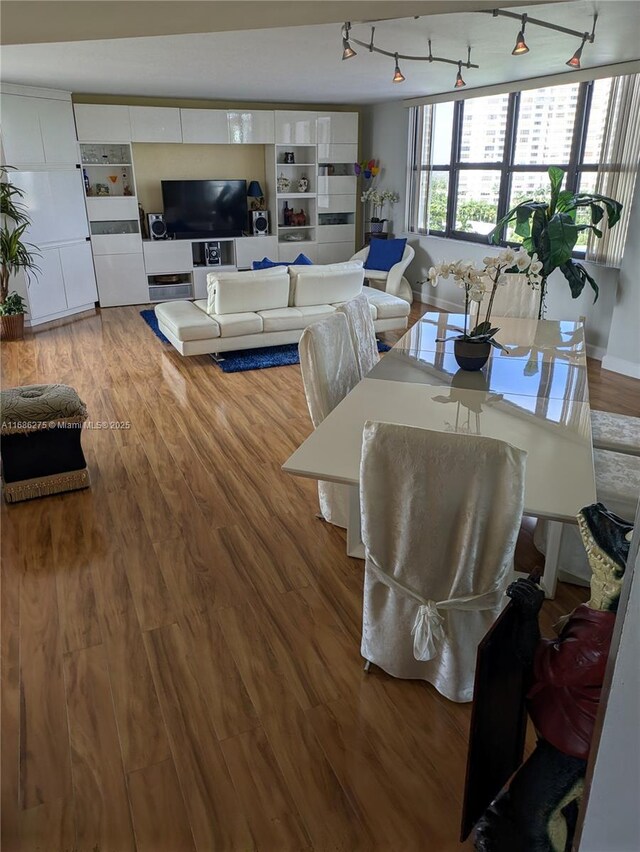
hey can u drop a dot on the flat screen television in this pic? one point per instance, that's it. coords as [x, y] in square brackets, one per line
[205, 208]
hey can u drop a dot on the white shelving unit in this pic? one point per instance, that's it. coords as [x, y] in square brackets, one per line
[112, 209]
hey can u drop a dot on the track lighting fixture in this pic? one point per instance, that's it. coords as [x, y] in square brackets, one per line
[347, 50]
[398, 76]
[521, 45]
[574, 62]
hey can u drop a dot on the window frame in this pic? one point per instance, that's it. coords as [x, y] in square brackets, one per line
[574, 168]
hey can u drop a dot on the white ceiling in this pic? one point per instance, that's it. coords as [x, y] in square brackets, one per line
[303, 64]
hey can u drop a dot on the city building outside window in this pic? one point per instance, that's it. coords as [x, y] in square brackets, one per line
[477, 158]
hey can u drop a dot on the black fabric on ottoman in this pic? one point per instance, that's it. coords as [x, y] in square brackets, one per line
[41, 441]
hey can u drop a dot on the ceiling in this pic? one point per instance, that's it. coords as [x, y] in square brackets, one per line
[303, 63]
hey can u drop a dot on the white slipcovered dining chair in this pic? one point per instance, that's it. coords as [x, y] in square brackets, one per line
[440, 519]
[516, 299]
[329, 372]
[393, 281]
[618, 487]
[363, 333]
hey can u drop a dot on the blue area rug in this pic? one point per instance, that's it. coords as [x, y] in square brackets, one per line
[149, 316]
[247, 359]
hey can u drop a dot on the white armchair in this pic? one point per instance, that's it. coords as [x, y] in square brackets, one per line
[393, 281]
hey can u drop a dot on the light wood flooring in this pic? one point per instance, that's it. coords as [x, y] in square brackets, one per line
[180, 643]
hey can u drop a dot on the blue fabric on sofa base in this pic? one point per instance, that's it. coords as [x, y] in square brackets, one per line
[265, 263]
[383, 254]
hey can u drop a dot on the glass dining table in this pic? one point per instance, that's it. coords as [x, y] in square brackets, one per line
[534, 395]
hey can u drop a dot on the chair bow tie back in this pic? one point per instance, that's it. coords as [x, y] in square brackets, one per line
[428, 628]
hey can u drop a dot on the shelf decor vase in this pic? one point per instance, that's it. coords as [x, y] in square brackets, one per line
[471, 355]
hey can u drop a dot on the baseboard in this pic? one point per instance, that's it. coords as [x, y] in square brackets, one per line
[596, 352]
[428, 297]
[621, 365]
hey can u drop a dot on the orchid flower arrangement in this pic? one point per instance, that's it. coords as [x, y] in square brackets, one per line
[378, 199]
[509, 267]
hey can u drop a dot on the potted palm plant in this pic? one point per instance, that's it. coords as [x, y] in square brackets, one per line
[551, 230]
[15, 254]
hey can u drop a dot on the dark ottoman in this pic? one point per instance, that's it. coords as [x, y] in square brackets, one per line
[40, 448]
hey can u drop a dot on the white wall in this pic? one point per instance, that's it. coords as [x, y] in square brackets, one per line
[623, 352]
[385, 132]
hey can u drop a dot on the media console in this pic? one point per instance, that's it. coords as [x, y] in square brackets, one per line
[178, 269]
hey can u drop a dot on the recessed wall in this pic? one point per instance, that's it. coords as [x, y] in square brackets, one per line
[157, 161]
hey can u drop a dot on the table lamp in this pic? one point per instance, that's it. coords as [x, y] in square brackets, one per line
[256, 194]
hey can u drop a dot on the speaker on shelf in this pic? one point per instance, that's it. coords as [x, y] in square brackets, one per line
[212, 254]
[259, 223]
[157, 226]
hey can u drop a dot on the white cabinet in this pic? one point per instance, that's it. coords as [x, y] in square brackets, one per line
[339, 152]
[227, 127]
[337, 127]
[205, 126]
[78, 273]
[336, 204]
[295, 127]
[336, 184]
[287, 252]
[38, 131]
[112, 208]
[335, 252]
[337, 233]
[46, 291]
[249, 249]
[55, 203]
[155, 124]
[162, 257]
[254, 127]
[121, 279]
[66, 281]
[103, 122]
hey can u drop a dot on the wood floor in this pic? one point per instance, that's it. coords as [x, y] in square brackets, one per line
[180, 643]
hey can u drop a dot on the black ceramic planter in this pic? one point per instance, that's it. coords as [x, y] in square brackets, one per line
[471, 355]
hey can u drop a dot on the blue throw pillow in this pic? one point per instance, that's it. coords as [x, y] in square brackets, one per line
[265, 263]
[383, 254]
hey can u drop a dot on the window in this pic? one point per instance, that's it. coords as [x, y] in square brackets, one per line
[475, 159]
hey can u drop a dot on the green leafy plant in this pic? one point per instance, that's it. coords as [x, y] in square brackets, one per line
[15, 254]
[551, 230]
[12, 305]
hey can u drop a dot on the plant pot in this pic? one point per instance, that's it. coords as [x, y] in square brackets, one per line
[12, 327]
[376, 227]
[471, 355]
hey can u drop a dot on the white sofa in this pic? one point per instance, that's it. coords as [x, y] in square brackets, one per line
[269, 307]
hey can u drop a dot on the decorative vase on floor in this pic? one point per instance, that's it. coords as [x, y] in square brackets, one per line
[470, 354]
[12, 327]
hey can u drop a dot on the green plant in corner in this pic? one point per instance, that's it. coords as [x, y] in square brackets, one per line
[551, 230]
[16, 255]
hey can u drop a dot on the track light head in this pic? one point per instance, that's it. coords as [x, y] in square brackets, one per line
[347, 50]
[398, 76]
[521, 45]
[459, 81]
[574, 62]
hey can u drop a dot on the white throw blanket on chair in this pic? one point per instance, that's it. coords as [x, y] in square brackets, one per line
[440, 519]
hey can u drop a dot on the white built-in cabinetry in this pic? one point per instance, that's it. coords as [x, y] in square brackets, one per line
[39, 140]
[324, 146]
[112, 209]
